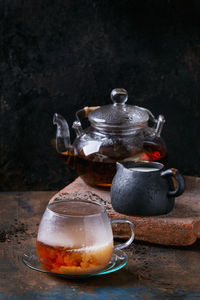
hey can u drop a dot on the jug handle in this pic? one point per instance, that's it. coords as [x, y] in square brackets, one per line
[81, 114]
[179, 180]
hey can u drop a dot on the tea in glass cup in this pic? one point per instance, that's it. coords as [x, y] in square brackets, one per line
[75, 237]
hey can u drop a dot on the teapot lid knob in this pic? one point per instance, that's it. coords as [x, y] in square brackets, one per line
[119, 96]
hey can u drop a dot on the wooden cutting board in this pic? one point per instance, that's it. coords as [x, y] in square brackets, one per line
[181, 227]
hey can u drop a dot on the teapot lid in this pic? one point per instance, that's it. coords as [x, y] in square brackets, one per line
[119, 115]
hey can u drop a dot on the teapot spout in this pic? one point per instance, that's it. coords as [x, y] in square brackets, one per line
[62, 134]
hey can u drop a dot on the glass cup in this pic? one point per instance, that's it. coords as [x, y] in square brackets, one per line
[75, 237]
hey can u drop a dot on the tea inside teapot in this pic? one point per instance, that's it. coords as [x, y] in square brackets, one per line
[99, 171]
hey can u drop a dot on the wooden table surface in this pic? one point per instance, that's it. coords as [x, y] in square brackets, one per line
[153, 272]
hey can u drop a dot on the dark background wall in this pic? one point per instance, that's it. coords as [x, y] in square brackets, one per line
[58, 56]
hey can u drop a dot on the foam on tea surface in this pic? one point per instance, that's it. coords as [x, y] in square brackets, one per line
[75, 235]
[143, 169]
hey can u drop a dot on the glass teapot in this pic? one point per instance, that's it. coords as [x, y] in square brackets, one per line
[117, 132]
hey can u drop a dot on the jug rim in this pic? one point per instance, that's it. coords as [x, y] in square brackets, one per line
[129, 165]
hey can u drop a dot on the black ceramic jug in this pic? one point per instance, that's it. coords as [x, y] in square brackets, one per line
[145, 188]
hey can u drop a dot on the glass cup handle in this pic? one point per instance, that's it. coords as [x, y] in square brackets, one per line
[130, 240]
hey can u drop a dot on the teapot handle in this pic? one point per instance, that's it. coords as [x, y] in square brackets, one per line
[89, 109]
[81, 114]
[158, 123]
